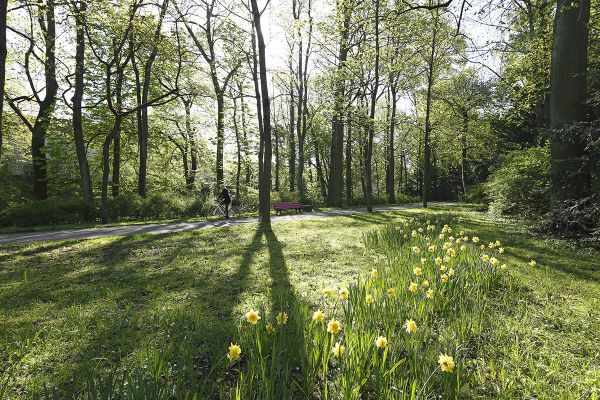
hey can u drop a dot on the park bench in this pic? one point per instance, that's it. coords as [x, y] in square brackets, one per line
[287, 205]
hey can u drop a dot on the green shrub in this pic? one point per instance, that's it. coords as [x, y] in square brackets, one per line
[47, 212]
[521, 186]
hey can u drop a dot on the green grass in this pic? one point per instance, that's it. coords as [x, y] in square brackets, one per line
[69, 309]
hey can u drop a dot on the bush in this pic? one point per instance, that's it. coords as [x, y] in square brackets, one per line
[577, 219]
[47, 212]
[521, 186]
[476, 194]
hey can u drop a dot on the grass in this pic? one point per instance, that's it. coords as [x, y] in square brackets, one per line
[71, 309]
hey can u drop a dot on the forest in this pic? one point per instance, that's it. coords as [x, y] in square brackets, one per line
[129, 110]
[442, 158]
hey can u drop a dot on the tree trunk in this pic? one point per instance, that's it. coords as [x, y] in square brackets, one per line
[265, 175]
[220, 136]
[143, 139]
[277, 177]
[348, 160]
[238, 143]
[463, 157]
[192, 147]
[84, 168]
[3, 53]
[336, 177]
[46, 107]
[391, 154]
[301, 188]
[320, 174]
[371, 133]
[568, 80]
[292, 140]
[427, 143]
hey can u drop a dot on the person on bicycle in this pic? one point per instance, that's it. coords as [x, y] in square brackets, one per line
[224, 199]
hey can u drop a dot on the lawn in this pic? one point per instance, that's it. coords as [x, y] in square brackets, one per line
[72, 309]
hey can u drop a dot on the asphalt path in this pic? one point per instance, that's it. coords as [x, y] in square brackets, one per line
[173, 227]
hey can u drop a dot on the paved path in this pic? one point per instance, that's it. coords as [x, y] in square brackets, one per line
[171, 227]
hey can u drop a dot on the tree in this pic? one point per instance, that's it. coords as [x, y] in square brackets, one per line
[264, 187]
[3, 53]
[216, 28]
[336, 176]
[44, 14]
[79, 9]
[568, 94]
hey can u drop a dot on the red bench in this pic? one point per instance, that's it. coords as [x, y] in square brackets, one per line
[287, 205]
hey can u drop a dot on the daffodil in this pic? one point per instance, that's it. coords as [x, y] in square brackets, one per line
[369, 299]
[431, 248]
[429, 294]
[344, 293]
[425, 284]
[441, 236]
[492, 245]
[494, 261]
[451, 252]
[234, 352]
[503, 266]
[334, 326]
[413, 287]
[318, 316]
[416, 249]
[443, 268]
[414, 233]
[475, 239]
[417, 271]
[381, 342]
[485, 257]
[451, 272]
[410, 326]
[391, 292]
[338, 350]
[423, 260]
[270, 328]
[282, 318]
[252, 317]
[446, 363]
[461, 233]
[328, 293]
[438, 261]
[374, 273]
[444, 278]
[501, 250]
[463, 247]
[420, 230]
[482, 247]
[533, 263]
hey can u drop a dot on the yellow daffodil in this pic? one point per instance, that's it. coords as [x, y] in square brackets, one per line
[533, 263]
[501, 250]
[475, 239]
[438, 261]
[431, 248]
[328, 293]
[494, 261]
[417, 271]
[338, 350]
[420, 230]
[425, 284]
[429, 294]
[482, 247]
[446, 363]
[443, 268]
[381, 342]
[374, 273]
[451, 252]
[414, 233]
[234, 352]
[391, 292]
[491, 245]
[423, 260]
[413, 287]
[503, 266]
[334, 326]
[318, 316]
[466, 238]
[463, 247]
[498, 243]
[485, 257]
[344, 293]
[444, 278]
[270, 328]
[416, 249]
[369, 299]
[461, 233]
[282, 318]
[451, 272]
[410, 326]
[441, 236]
[451, 239]
[252, 317]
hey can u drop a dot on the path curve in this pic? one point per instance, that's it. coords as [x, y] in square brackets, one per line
[173, 227]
